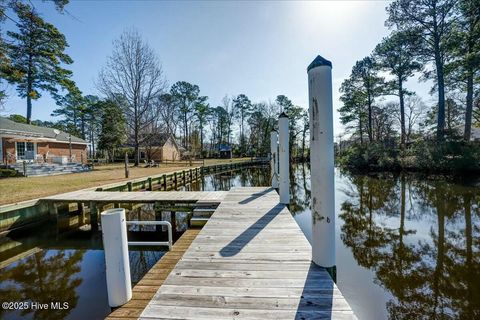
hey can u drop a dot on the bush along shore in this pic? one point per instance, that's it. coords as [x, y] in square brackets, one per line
[449, 156]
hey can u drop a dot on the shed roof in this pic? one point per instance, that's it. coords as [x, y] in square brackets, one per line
[224, 147]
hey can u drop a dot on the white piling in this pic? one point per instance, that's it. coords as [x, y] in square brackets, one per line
[321, 162]
[284, 159]
[114, 233]
[274, 158]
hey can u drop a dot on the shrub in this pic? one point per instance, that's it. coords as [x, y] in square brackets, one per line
[452, 155]
[8, 173]
[373, 156]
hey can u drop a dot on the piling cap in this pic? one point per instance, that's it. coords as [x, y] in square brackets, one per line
[318, 62]
[283, 115]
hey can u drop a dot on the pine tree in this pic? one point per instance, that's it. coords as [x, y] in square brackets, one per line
[464, 45]
[70, 109]
[37, 55]
[202, 110]
[394, 55]
[353, 111]
[359, 93]
[186, 95]
[243, 108]
[113, 127]
[431, 21]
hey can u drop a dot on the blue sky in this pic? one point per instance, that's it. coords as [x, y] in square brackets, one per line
[260, 49]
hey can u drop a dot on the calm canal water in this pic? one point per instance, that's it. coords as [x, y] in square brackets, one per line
[407, 248]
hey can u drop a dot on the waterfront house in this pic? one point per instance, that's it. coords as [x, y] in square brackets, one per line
[25, 142]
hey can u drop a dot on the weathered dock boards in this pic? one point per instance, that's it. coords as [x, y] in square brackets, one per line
[139, 197]
[144, 290]
[250, 261]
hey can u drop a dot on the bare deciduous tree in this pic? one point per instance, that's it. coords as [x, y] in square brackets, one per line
[133, 77]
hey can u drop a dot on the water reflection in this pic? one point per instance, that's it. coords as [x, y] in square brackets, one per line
[43, 266]
[46, 277]
[421, 239]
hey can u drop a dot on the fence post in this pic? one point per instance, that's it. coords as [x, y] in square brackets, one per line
[322, 163]
[114, 234]
[284, 159]
[126, 165]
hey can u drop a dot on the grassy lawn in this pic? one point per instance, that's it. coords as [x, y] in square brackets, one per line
[19, 189]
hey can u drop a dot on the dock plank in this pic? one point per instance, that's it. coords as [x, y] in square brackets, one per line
[146, 288]
[214, 197]
[250, 261]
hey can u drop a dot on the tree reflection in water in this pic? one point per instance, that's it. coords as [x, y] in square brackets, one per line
[434, 274]
[43, 278]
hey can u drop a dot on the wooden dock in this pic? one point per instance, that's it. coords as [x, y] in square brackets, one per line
[214, 197]
[250, 261]
[146, 288]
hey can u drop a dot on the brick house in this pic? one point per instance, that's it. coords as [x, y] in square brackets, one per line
[24, 142]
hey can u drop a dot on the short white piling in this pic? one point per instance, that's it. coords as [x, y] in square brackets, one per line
[115, 244]
[274, 158]
[284, 159]
[321, 162]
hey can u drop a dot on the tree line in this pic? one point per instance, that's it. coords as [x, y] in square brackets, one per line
[435, 40]
[136, 105]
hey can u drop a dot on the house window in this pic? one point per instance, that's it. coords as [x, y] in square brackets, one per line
[25, 150]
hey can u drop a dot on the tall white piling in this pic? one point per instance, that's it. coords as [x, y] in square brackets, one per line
[321, 162]
[114, 233]
[284, 159]
[274, 158]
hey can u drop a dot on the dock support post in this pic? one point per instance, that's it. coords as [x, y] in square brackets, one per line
[274, 158]
[175, 180]
[93, 216]
[164, 182]
[321, 162]
[114, 234]
[284, 159]
[149, 184]
[173, 220]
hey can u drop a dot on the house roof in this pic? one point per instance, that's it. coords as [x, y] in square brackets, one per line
[11, 128]
[158, 139]
[155, 140]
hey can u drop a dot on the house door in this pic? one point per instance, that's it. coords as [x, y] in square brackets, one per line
[25, 150]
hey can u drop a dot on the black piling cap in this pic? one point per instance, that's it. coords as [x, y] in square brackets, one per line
[319, 61]
[283, 115]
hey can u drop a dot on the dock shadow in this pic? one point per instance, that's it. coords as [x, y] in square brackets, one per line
[316, 301]
[237, 244]
[256, 196]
